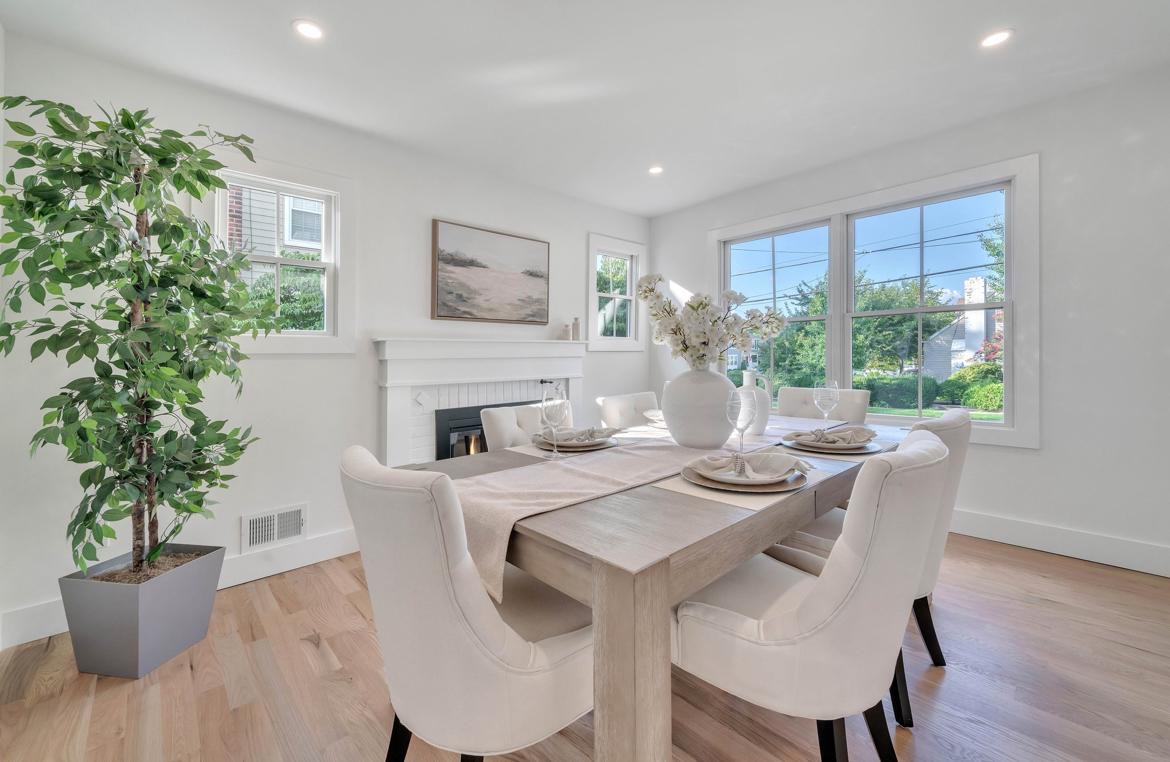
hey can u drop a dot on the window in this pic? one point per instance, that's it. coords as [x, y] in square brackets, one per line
[789, 272]
[292, 261]
[927, 306]
[613, 274]
[927, 295]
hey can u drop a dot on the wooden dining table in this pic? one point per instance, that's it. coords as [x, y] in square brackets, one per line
[634, 555]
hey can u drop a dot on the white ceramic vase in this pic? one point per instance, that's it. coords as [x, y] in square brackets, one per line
[694, 406]
[763, 400]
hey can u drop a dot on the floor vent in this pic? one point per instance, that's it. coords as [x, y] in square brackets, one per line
[261, 530]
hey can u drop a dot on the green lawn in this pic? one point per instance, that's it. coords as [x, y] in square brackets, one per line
[976, 415]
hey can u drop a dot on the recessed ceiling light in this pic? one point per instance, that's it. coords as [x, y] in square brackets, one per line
[996, 38]
[308, 29]
[656, 170]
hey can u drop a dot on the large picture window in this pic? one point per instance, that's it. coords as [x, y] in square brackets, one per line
[925, 294]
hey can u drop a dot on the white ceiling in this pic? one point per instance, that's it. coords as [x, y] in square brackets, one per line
[582, 97]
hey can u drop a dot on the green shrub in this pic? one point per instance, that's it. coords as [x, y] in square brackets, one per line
[897, 391]
[977, 374]
[952, 390]
[984, 397]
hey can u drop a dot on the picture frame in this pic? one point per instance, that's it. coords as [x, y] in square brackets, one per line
[491, 276]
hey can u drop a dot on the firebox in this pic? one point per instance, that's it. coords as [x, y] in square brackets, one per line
[459, 430]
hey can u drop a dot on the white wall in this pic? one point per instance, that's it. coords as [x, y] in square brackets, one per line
[305, 408]
[1093, 489]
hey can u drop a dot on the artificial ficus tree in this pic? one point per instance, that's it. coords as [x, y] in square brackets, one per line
[129, 284]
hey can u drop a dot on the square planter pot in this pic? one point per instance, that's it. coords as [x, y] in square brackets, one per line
[128, 630]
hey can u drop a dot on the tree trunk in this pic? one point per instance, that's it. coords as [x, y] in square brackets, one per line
[144, 508]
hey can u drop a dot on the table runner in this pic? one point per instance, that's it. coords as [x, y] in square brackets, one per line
[493, 503]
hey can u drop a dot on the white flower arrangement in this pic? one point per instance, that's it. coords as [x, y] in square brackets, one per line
[701, 331]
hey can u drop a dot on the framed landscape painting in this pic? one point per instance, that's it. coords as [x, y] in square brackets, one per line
[480, 274]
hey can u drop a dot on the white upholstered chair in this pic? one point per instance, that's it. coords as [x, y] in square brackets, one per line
[625, 410]
[825, 647]
[505, 427]
[465, 674]
[817, 539]
[797, 402]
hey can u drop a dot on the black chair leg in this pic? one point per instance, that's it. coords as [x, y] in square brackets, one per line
[399, 742]
[831, 735]
[875, 720]
[470, 758]
[926, 628]
[900, 695]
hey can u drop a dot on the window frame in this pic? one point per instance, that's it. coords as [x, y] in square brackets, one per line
[634, 253]
[1021, 314]
[338, 233]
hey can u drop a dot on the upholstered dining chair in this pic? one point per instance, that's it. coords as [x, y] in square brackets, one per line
[465, 674]
[514, 425]
[817, 539]
[797, 402]
[825, 647]
[625, 410]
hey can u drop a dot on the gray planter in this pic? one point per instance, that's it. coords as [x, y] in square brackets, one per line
[128, 630]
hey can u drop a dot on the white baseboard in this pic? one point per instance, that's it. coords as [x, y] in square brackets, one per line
[41, 620]
[1125, 552]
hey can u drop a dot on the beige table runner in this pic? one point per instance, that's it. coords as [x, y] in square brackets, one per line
[493, 503]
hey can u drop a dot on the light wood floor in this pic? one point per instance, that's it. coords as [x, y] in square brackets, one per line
[1049, 659]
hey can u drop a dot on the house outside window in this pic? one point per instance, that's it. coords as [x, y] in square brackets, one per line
[287, 231]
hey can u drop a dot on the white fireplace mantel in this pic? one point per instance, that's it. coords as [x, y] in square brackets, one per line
[419, 375]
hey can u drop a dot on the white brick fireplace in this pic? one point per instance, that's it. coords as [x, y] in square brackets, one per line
[421, 375]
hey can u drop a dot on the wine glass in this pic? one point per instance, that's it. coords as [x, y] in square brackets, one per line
[741, 413]
[552, 413]
[826, 396]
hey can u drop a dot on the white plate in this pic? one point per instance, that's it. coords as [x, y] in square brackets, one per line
[729, 477]
[864, 449]
[654, 416]
[598, 444]
[795, 481]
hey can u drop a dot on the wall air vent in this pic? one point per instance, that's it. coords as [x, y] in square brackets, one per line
[276, 527]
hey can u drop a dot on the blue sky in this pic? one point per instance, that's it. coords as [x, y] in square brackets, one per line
[887, 246]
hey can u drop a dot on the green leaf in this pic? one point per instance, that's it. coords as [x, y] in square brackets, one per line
[89, 552]
[20, 128]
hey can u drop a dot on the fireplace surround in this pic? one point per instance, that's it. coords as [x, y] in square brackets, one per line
[459, 430]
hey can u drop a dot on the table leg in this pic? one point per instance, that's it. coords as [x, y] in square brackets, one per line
[631, 664]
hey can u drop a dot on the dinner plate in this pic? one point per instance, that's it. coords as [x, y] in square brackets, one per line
[796, 481]
[729, 477]
[654, 416]
[599, 444]
[865, 449]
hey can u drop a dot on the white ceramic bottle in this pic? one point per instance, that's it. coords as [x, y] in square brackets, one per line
[763, 400]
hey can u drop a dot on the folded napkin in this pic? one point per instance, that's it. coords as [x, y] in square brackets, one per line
[841, 435]
[761, 464]
[591, 434]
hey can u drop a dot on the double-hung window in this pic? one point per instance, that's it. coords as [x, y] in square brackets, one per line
[288, 233]
[613, 275]
[926, 295]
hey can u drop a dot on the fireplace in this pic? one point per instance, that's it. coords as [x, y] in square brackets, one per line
[459, 431]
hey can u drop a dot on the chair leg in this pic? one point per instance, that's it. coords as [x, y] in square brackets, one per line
[470, 758]
[831, 736]
[926, 628]
[875, 720]
[900, 695]
[399, 742]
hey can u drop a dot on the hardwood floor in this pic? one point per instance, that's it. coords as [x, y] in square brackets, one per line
[1048, 658]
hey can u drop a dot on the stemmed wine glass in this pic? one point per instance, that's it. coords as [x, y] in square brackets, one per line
[741, 413]
[826, 396]
[552, 413]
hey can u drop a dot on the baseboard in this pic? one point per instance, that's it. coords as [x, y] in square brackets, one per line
[1149, 557]
[41, 620]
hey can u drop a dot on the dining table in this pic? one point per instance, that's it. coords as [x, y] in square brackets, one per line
[634, 554]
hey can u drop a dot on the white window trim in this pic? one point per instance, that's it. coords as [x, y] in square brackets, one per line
[1022, 301]
[341, 296]
[289, 239]
[635, 253]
